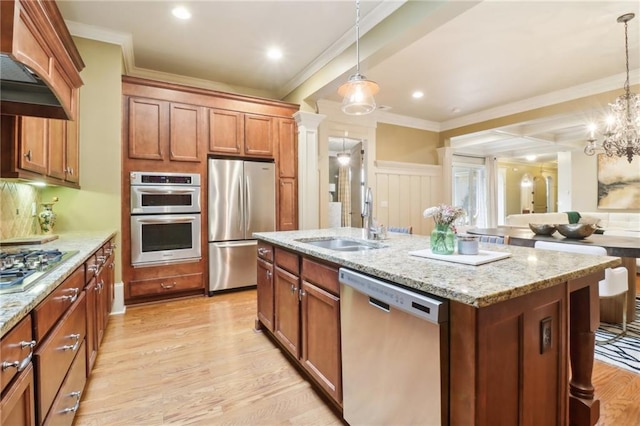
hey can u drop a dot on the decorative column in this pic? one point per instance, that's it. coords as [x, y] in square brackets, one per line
[308, 171]
[445, 158]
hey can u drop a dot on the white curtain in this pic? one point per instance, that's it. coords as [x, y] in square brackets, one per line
[344, 194]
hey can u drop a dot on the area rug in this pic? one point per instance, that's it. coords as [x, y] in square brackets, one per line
[623, 352]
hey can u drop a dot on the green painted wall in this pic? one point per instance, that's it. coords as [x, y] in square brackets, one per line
[97, 205]
[405, 144]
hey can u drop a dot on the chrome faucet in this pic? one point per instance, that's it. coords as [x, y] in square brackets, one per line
[367, 216]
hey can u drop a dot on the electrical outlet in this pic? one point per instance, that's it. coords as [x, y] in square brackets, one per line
[546, 338]
[17, 212]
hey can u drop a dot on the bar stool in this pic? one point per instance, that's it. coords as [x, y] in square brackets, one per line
[614, 283]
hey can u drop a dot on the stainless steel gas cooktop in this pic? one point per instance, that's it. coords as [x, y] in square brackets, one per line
[21, 268]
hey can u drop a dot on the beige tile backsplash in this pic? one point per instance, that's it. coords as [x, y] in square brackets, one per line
[16, 200]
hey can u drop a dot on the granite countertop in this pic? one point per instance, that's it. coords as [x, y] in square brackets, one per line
[525, 271]
[15, 306]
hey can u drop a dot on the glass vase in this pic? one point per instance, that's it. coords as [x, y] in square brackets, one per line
[47, 218]
[442, 239]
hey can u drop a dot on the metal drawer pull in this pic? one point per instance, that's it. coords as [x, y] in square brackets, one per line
[102, 259]
[73, 347]
[21, 365]
[269, 274]
[75, 407]
[262, 251]
[165, 286]
[93, 267]
[73, 297]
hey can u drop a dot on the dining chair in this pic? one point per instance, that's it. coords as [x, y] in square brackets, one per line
[615, 280]
[494, 239]
[401, 229]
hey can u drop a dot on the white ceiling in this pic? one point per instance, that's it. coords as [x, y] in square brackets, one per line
[473, 60]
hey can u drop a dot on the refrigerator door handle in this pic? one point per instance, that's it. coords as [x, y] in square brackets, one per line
[241, 206]
[231, 244]
[247, 216]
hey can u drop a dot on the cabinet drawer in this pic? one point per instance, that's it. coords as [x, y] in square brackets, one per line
[54, 356]
[47, 313]
[66, 404]
[265, 251]
[15, 347]
[287, 261]
[165, 285]
[322, 275]
[91, 266]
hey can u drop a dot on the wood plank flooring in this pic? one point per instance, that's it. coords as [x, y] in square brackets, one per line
[199, 362]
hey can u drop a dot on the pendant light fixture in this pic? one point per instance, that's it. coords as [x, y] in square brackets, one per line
[622, 129]
[357, 92]
[344, 157]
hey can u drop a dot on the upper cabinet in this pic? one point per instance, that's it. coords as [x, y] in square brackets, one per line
[236, 133]
[36, 40]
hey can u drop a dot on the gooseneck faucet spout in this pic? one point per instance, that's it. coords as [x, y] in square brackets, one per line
[367, 215]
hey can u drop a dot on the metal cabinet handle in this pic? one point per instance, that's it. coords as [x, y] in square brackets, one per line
[75, 407]
[21, 365]
[301, 294]
[168, 286]
[102, 259]
[93, 267]
[111, 266]
[269, 275]
[75, 346]
[28, 155]
[293, 288]
[263, 251]
[73, 297]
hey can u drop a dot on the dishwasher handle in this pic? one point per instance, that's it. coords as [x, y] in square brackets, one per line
[384, 295]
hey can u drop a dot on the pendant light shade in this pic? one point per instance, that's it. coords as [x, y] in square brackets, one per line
[344, 157]
[357, 93]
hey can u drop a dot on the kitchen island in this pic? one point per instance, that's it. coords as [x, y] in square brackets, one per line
[506, 355]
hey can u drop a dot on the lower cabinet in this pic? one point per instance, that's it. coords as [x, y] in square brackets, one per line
[17, 407]
[306, 323]
[67, 402]
[265, 291]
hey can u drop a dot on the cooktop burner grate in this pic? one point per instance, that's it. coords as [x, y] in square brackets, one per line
[20, 269]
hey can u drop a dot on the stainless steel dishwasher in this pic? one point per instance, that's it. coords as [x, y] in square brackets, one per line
[394, 354]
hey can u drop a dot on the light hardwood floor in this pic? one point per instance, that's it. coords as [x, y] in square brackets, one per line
[199, 362]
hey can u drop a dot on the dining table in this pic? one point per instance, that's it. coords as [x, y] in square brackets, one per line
[627, 248]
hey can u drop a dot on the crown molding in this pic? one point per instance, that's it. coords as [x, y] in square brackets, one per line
[552, 98]
[124, 40]
[402, 168]
[406, 121]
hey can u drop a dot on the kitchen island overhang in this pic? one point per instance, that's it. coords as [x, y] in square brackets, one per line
[499, 367]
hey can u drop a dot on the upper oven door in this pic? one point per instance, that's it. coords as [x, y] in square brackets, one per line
[165, 199]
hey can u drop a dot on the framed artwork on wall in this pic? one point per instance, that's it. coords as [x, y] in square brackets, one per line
[618, 183]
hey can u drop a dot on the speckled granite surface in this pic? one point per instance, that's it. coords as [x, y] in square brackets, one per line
[15, 306]
[526, 271]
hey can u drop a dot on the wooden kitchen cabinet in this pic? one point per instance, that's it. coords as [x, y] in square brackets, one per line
[237, 133]
[306, 316]
[17, 407]
[265, 284]
[287, 310]
[34, 34]
[287, 181]
[40, 148]
[164, 131]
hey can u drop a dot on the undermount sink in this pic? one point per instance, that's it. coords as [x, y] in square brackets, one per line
[340, 244]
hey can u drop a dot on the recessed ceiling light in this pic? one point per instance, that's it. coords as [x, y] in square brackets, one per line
[455, 110]
[181, 12]
[417, 94]
[531, 157]
[274, 53]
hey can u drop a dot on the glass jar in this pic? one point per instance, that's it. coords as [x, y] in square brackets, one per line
[442, 239]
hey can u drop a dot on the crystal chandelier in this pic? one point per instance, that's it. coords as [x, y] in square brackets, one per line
[357, 92]
[622, 127]
[344, 157]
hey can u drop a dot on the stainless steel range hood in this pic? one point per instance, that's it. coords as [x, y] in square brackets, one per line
[22, 92]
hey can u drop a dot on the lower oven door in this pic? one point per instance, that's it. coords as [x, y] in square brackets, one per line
[158, 239]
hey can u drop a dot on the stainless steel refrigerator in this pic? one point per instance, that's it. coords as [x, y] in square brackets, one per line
[242, 200]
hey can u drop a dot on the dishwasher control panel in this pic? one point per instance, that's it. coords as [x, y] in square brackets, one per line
[384, 296]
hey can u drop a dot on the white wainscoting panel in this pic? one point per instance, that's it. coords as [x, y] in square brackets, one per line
[403, 191]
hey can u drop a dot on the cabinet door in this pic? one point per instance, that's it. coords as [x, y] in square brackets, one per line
[72, 150]
[56, 148]
[265, 293]
[33, 144]
[258, 135]
[184, 139]
[148, 129]
[287, 204]
[321, 338]
[101, 304]
[287, 311]
[92, 332]
[226, 131]
[287, 149]
[17, 407]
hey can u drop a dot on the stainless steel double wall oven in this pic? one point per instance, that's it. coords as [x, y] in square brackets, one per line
[165, 218]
